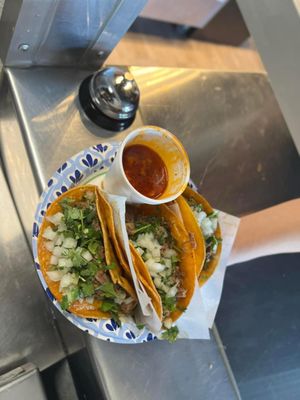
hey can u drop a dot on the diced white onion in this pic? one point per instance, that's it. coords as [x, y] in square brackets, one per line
[68, 280]
[128, 300]
[55, 276]
[62, 227]
[169, 253]
[214, 248]
[214, 223]
[140, 250]
[167, 262]
[53, 260]
[200, 216]
[90, 300]
[49, 246]
[155, 266]
[49, 233]
[153, 274]
[57, 251]
[69, 243]
[147, 241]
[157, 282]
[87, 255]
[206, 227]
[156, 253]
[56, 218]
[168, 323]
[121, 296]
[59, 240]
[65, 263]
[172, 291]
[149, 262]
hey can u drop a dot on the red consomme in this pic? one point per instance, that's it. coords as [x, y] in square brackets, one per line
[145, 170]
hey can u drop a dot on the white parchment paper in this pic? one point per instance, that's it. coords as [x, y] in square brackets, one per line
[212, 290]
[200, 315]
[147, 313]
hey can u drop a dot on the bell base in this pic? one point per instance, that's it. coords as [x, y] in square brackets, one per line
[95, 115]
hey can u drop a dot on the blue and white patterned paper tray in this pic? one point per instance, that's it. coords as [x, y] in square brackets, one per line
[90, 162]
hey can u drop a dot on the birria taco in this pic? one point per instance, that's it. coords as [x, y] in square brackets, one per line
[163, 257]
[77, 258]
[201, 221]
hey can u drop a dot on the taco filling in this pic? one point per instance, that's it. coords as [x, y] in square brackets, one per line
[75, 241]
[152, 239]
[208, 224]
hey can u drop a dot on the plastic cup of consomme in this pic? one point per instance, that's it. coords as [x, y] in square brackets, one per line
[151, 166]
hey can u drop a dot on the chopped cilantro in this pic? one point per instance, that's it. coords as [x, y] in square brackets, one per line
[87, 289]
[149, 224]
[76, 257]
[174, 259]
[66, 202]
[64, 303]
[170, 334]
[73, 295]
[94, 247]
[113, 309]
[90, 270]
[169, 303]
[109, 306]
[143, 229]
[116, 318]
[72, 213]
[68, 234]
[90, 215]
[109, 267]
[108, 290]
[213, 215]
[140, 326]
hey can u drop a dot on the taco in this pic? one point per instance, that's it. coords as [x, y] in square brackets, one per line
[181, 208]
[163, 258]
[77, 258]
[201, 220]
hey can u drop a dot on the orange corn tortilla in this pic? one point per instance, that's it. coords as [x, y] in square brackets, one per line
[83, 309]
[187, 260]
[191, 223]
[195, 233]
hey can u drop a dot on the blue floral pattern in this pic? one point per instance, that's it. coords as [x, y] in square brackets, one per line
[100, 147]
[92, 161]
[76, 177]
[89, 161]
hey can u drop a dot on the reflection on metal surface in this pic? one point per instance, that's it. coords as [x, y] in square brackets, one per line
[187, 369]
[167, 77]
[22, 383]
[52, 137]
[15, 161]
[27, 329]
[64, 32]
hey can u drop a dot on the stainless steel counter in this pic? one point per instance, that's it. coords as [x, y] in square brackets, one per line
[242, 158]
[27, 329]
